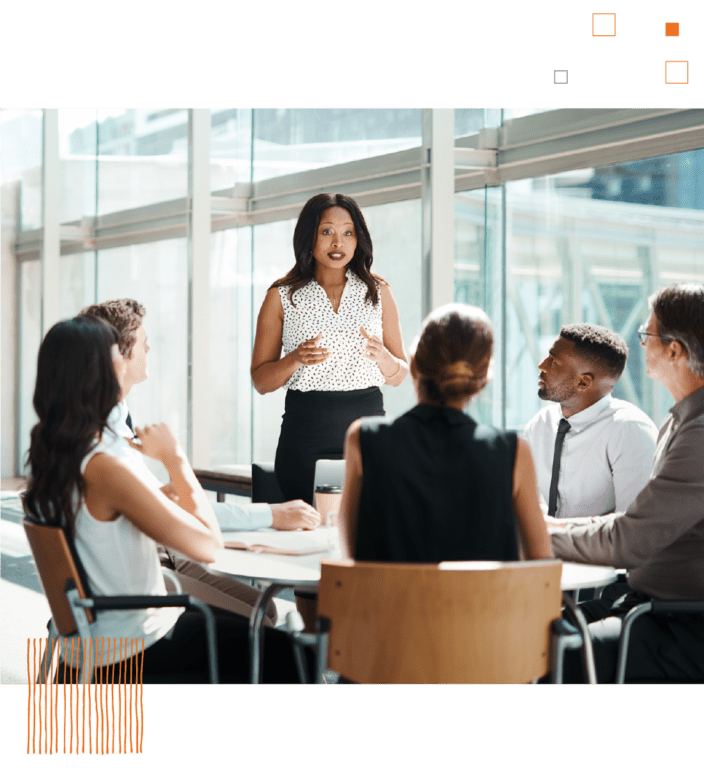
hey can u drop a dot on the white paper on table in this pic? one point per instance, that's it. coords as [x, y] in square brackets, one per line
[279, 542]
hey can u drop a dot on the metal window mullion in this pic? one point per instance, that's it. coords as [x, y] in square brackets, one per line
[51, 235]
[502, 331]
[438, 207]
[198, 390]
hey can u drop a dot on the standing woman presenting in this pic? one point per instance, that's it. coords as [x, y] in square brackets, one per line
[338, 326]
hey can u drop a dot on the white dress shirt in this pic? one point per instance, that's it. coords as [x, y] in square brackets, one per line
[607, 456]
[230, 517]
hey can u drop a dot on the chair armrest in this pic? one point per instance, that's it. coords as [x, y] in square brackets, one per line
[677, 606]
[122, 602]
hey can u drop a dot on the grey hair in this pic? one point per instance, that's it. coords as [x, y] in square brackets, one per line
[679, 310]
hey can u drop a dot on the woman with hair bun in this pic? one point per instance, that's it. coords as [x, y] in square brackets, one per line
[433, 484]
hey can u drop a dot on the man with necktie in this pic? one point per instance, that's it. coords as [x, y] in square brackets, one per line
[593, 453]
[659, 539]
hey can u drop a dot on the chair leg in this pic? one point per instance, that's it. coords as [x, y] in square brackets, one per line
[295, 626]
[587, 650]
[256, 636]
[49, 660]
[631, 616]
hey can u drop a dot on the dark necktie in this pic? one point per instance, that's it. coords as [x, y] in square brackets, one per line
[562, 429]
[128, 421]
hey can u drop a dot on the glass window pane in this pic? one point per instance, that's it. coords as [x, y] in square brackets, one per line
[273, 258]
[77, 142]
[231, 347]
[396, 234]
[511, 114]
[230, 147]
[592, 245]
[30, 338]
[156, 275]
[77, 277]
[292, 140]
[478, 280]
[469, 121]
[21, 136]
[142, 156]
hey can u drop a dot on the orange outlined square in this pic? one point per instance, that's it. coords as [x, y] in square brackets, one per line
[672, 29]
[604, 14]
[677, 61]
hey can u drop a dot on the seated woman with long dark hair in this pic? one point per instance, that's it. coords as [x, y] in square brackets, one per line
[80, 480]
[433, 484]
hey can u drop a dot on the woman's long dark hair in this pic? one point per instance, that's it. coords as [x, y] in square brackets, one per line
[306, 233]
[76, 390]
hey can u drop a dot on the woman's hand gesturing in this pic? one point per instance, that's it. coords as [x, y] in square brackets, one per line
[374, 348]
[309, 353]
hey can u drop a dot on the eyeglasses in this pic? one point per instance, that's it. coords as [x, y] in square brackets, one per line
[642, 334]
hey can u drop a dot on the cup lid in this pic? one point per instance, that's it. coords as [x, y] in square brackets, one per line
[328, 489]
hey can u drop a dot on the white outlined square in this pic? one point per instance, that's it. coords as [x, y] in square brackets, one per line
[604, 25]
[677, 72]
[560, 77]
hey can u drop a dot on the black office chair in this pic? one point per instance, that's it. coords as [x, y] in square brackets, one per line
[72, 605]
[657, 608]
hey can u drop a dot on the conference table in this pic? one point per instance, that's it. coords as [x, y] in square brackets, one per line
[275, 571]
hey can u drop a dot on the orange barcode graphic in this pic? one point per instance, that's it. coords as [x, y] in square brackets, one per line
[73, 713]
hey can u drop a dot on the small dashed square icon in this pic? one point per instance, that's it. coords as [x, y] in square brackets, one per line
[604, 24]
[560, 77]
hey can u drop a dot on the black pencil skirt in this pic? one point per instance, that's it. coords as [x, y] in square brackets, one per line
[314, 426]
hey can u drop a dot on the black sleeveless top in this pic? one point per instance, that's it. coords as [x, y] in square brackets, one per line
[436, 486]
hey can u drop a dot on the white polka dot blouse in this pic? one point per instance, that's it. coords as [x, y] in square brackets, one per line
[347, 368]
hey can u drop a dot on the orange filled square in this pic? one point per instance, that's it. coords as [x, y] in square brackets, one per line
[672, 29]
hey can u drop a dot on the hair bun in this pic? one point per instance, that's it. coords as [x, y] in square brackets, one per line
[458, 370]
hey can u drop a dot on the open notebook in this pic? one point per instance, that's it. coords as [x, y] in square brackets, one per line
[280, 542]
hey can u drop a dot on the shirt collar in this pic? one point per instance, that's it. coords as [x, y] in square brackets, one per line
[588, 415]
[689, 407]
[429, 412]
[117, 419]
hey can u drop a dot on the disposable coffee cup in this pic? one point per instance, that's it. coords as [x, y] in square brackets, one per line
[327, 500]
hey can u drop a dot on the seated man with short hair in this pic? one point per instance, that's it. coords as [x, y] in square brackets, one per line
[226, 592]
[593, 453]
[659, 539]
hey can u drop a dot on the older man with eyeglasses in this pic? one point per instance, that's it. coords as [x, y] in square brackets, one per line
[659, 539]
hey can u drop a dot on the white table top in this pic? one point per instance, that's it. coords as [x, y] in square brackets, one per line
[304, 570]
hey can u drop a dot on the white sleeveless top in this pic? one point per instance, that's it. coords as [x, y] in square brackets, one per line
[121, 560]
[347, 368]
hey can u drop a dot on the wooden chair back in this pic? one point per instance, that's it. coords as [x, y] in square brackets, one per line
[55, 561]
[452, 622]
